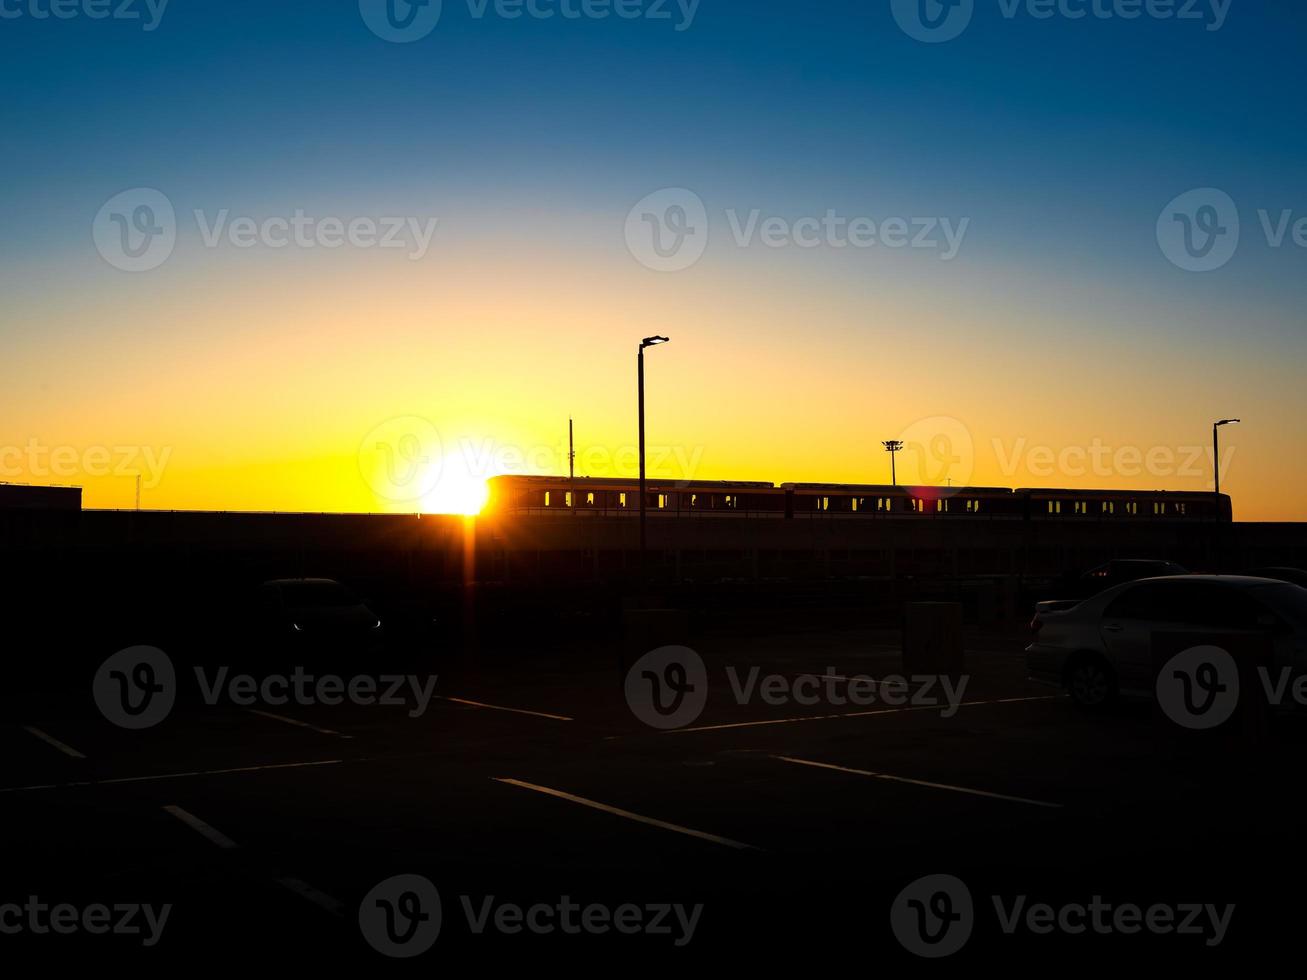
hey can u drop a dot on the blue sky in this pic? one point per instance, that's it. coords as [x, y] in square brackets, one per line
[1051, 134]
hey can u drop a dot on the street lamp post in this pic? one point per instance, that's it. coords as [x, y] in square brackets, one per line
[647, 342]
[1216, 451]
[892, 446]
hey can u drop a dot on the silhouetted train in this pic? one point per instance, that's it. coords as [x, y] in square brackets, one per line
[589, 496]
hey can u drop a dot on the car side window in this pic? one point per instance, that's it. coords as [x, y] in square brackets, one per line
[1221, 607]
[1137, 602]
[1202, 604]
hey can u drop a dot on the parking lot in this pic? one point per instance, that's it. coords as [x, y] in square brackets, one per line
[528, 780]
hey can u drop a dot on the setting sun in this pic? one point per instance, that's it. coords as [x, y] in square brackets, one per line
[457, 492]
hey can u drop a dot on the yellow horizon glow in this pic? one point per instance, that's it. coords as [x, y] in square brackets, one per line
[262, 399]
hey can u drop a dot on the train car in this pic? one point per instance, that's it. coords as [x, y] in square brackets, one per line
[1051, 504]
[878, 500]
[615, 497]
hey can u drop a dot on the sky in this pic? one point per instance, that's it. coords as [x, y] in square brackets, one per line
[298, 256]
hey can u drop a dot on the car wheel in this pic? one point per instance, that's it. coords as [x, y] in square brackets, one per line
[1091, 683]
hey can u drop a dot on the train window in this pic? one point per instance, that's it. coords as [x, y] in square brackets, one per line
[1055, 506]
[853, 504]
[915, 505]
[941, 506]
[882, 503]
[731, 501]
[662, 500]
[973, 506]
[621, 500]
[1180, 509]
[546, 498]
[1109, 507]
[823, 503]
[1082, 506]
[1132, 508]
[589, 500]
[1158, 508]
[567, 499]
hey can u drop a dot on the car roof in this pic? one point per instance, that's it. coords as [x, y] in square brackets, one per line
[1140, 561]
[1238, 581]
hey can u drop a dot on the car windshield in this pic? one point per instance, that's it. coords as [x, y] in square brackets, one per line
[1288, 600]
[299, 595]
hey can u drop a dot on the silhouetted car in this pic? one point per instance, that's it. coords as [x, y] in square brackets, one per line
[1102, 648]
[1295, 575]
[317, 615]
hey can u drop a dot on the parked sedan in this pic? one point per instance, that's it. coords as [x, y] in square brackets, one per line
[317, 615]
[1102, 648]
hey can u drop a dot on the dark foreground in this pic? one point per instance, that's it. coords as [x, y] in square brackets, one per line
[796, 827]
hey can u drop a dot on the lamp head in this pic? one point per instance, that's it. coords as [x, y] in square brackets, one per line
[653, 341]
[892, 445]
[1227, 422]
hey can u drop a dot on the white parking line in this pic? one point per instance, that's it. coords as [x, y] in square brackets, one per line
[627, 814]
[308, 892]
[202, 828]
[169, 775]
[300, 888]
[297, 723]
[850, 714]
[52, 741]
[500, 707]
[917, 782]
